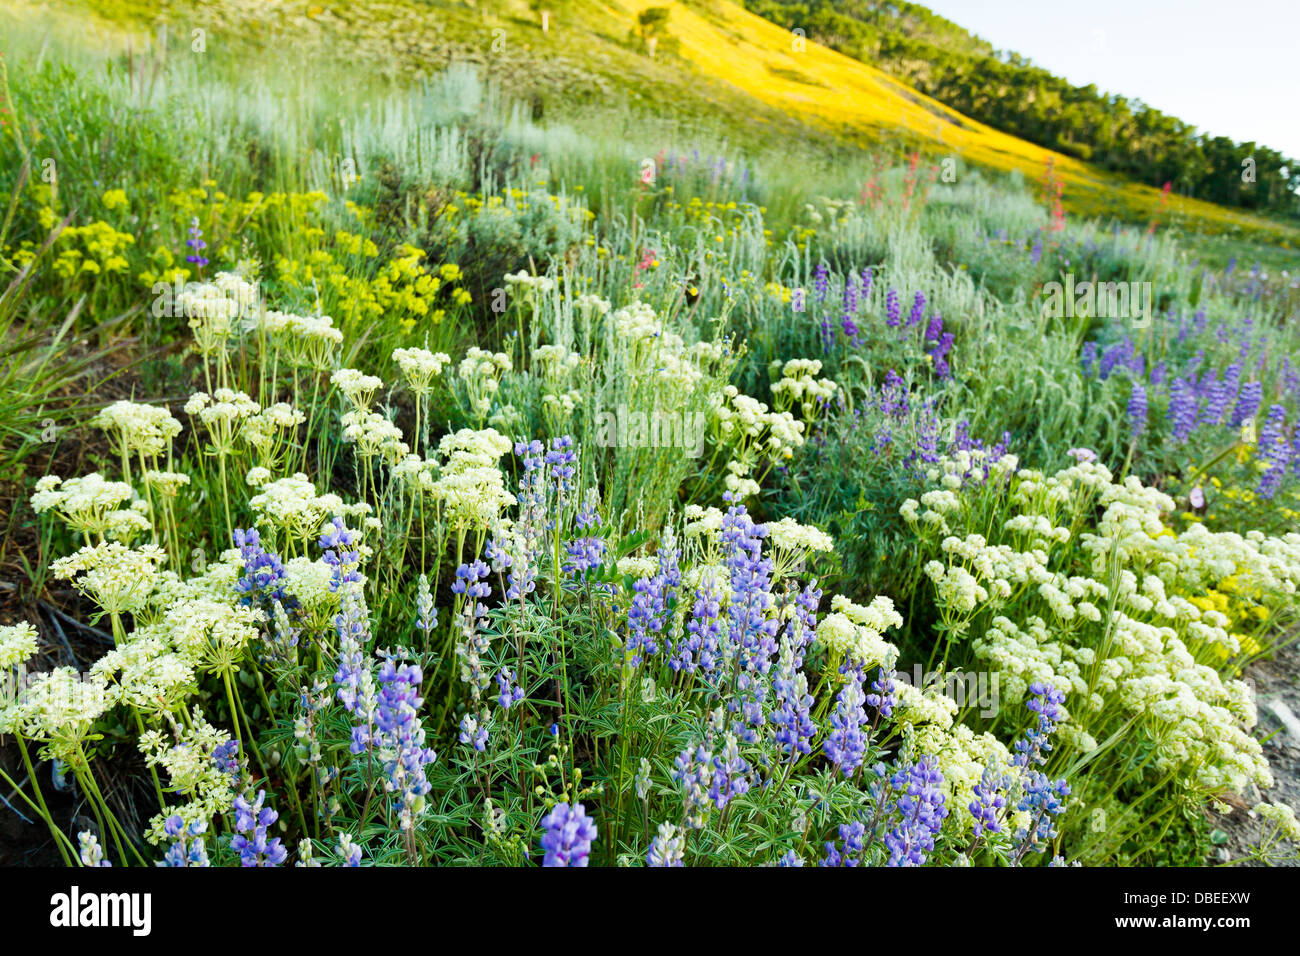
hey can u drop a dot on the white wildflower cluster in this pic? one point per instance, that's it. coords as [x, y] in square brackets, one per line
[292, 506]
[1282, 819]
[357, 387]
[139, 429]
[17, 644]
[799, 385]
[559, 399]
[88, 505]
[192, 772]
[419, 367]
[754, 431]
[146, 672]
[853, 632]
[1108, 618]
[305, 341]
[375, 436]
[480, 373]
[223, 413]
[523, 283]
[214, 309]
[800, 540]
[471, 488]
[271, 430]
[59, 708]
[115, 577]
[592, 305]
[915, 707]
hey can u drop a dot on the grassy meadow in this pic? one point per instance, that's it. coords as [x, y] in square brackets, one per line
[413, 453]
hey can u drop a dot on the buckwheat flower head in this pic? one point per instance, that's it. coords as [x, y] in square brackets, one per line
[214, 634]
[17, 644]
[140, 429]
[374, 435]
[146, 673]
[83, 503]
[1282, 818]
[60, 707]
[166, 483]
[789, 535]
[420, 367]
[115, 577]
[357, 387]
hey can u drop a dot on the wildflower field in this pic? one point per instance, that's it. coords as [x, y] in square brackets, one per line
[390, 476]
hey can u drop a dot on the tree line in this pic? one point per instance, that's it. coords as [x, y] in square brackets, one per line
[1007, 91]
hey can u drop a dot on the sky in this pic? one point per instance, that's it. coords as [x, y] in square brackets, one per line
[1230, 69]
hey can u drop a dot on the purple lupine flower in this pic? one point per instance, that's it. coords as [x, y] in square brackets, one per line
[850, 294]
[1247, 403]
[883, 695]
[196, 244]
[867, 279]
[821, 282]
[693, 770]
[892, 400]
[187, 847]
[893, 309]
[1040, 797]
[667, 848]
[226, 758]
[1183, 406]
[1087, 356]
[401, 738]
[474, 732]
[752, 630]
[1137, 409]
[918, 310]
[927, 435]
[846, 744]
[588, 551]
[1219, 393]
[1275, 451]
[353, 676]
[264, 576]
[1119, 354]
[562, 460]
[792, 716]
[252, 820]
[852, 835]
[568, 837]
[1046, 702]
[1037, 253]
[337, 542]
[939, 356]
[989, 800]
[511, 692]
[472, 647]
[645, 618]
[699, 645]
[730, 777]
[921, 809]
[1042, 800]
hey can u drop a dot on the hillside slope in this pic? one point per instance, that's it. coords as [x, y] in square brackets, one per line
[716, 65]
